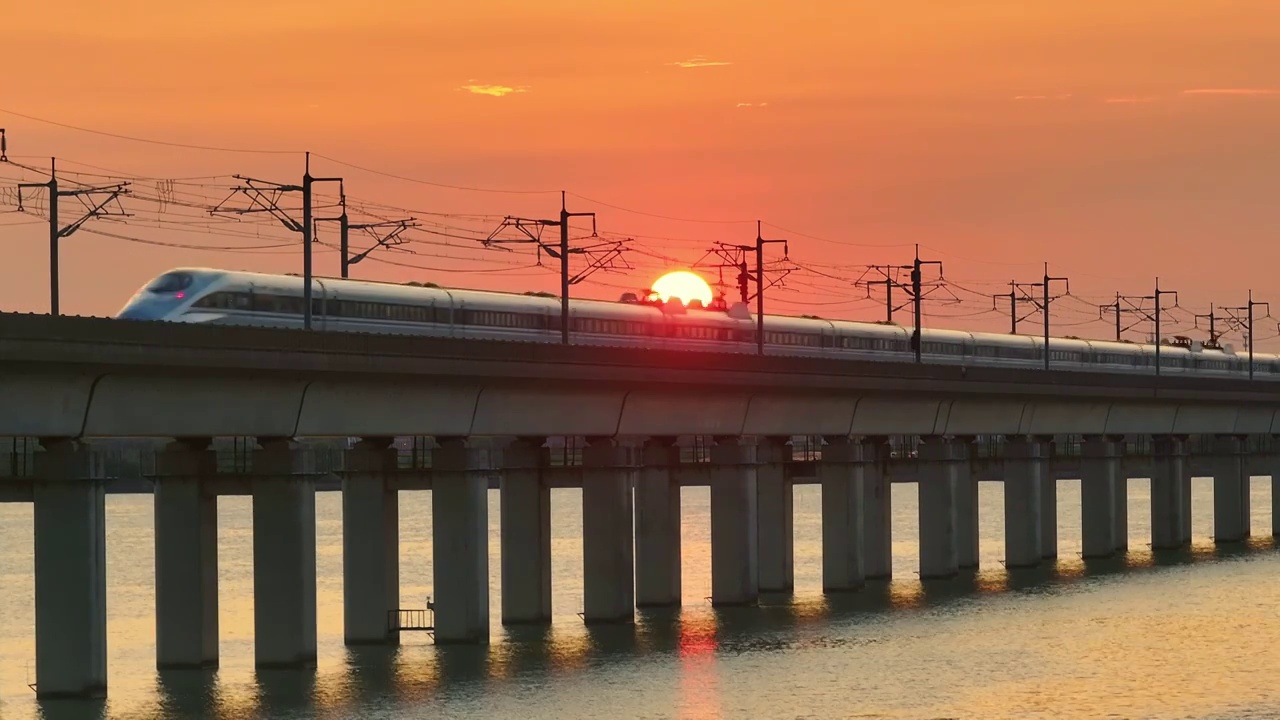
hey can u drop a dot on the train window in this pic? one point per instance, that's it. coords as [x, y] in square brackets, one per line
[793, 338]
[214, 300]
[170, 283]
[1015, 353]
[279, 304]
[489, 318]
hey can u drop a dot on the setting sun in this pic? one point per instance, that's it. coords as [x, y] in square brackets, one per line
[684, 285]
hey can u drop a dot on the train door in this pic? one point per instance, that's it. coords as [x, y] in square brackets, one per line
[248, 305]
[319, 307]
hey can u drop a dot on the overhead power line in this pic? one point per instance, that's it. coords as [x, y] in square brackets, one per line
[1248, 309]
[264, 197]
[97, 202]
[149, 141]
[431, 183]
[735, 256]
[1042, 303]
[599, 256]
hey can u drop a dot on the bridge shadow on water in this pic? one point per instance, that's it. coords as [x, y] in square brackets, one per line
[391, 679]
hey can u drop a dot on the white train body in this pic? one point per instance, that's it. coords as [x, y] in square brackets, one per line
[220, 297]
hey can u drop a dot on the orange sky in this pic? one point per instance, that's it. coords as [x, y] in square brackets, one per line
[999, 134]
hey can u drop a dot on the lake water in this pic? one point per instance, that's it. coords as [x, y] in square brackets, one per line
[1189, 635]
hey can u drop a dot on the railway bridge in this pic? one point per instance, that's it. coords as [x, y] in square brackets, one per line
[494, 410]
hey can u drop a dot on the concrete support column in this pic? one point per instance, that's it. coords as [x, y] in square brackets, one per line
[842, 471]
[1185, 497]
[938, 557]
[966, 487]
[370, 543]
[877, 510]
[776, 534]
[1120, 506]
[284, 556]
[735, 572]
[608, 550]
[71, 578]
[1099, 472]
[186, 540]
[526, 533]
[1023, 472]
[657, 499]
[1230, 490]
[1048, 502]
[1167, 489]
[1274, 460]
[459, 543]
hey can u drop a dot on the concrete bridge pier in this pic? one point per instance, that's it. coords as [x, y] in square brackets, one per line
[877, 509]
[525, 513]
[1167, 489]
[459, 543]
[735, 570]
[71, 578]
[370, 542]
[1048, 501]
[1120, 505]
[1099, 472]
[774, 503]
[938, 556]
[1273, 462]
[657, 525]
[1230, 490]
[1185, 497]
[1024, 463]
[284, 556]
[1273, 459]
[608, 550]
[842, 471]
[966, 485]
[186, 540]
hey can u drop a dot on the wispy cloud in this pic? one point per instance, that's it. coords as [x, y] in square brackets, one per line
[1130, 100]
[750, 105]
[1059, 96]
[492, 90]
[1232, 91]
[698, 61]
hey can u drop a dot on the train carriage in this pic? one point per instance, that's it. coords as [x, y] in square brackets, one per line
[201, 295]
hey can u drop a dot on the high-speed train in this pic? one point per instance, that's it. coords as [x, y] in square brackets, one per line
[201, 295]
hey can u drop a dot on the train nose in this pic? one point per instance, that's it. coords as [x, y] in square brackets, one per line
[142, 311]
